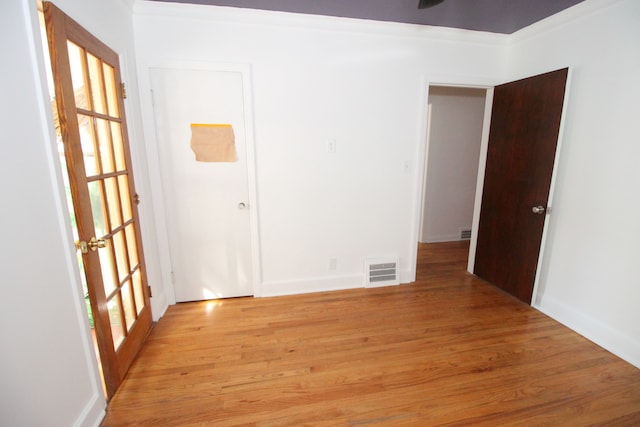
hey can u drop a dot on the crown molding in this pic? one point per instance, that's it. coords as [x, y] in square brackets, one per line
[226, 15]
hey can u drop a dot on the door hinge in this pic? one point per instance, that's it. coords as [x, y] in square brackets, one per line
[150, 292]
[123, 90]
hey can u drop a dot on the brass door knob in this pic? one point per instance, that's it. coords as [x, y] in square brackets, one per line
[95, 244]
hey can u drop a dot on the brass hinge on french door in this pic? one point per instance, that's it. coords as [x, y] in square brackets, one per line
[123, 90]
[150, 293]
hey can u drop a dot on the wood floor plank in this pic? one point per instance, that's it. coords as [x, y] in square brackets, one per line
[448, 349]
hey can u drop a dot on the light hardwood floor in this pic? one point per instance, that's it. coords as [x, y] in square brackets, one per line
[447, 350]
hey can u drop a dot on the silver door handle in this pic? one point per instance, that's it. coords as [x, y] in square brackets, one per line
[538, 210]
[242, 205]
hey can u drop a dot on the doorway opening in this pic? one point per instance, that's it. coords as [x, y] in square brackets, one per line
[516, 167]
[456, 122]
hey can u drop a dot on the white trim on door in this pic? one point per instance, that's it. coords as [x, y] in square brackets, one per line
[422, 154]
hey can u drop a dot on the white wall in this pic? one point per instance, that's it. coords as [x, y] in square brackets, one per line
[591, 282]
[363, 84]
[314, 78]
[455, 133]
[48, 370]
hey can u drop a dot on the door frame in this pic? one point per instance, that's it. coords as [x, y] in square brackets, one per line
[155, 173]
[544, 255]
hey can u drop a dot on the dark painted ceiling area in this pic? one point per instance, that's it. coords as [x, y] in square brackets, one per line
[496, 16]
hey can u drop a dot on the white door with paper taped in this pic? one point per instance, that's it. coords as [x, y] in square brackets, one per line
[200, 114]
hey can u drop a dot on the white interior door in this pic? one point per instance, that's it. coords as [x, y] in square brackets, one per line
[206, 203]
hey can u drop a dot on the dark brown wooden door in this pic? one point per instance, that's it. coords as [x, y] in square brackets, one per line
[525, 124]
[92, 129]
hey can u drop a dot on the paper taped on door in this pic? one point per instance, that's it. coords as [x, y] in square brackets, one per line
[213, 142]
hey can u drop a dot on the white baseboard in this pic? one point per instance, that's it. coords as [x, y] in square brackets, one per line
[305, 286]
[93, 413]
[622, 345]
[443, 238]
[319, 284]
[407, 276]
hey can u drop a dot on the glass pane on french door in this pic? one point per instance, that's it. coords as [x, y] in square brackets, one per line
[108, 184]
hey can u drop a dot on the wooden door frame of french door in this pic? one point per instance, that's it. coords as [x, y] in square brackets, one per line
[60, 29]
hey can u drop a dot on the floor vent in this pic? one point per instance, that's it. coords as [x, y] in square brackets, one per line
[465, 234]
[381, 272]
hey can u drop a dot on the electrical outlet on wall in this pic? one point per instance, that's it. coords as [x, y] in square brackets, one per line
[333, 263]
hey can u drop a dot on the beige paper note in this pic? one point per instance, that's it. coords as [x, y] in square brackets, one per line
[213, 142]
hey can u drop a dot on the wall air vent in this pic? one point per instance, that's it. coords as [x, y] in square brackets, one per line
[381, 272]
[465, 234]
